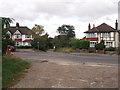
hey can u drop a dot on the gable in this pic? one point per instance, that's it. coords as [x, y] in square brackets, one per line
[8, 32]
[17, 32]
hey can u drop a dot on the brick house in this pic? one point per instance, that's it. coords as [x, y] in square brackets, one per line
[20, 34]
[103, 32]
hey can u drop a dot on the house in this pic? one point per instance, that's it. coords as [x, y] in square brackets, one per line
[20, 34]
[103, 32]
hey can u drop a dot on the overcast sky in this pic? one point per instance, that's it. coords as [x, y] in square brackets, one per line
[54, 13]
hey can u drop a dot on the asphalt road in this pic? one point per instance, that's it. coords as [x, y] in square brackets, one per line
[30, 55]
[66, 71]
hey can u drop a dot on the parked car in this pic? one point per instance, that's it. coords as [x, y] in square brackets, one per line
[13, 48]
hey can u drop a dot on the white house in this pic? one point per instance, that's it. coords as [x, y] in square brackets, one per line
[103, 32]
[20, 34]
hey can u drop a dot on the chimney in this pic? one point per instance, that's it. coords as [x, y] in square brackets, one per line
[89, 27]
[93, 25]
[17, 24]
[116, 25]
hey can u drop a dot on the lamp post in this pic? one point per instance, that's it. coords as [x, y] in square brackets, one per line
[38, 45]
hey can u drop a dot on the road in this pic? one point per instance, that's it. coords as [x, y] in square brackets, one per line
[76, 58]
[68, 70]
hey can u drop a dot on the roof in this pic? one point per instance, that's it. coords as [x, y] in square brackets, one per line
[22, 29]
[101, 28]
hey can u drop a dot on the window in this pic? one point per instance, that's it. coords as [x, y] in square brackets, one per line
[91, 35]
[17, 36]
[92, 44]
[27, 36]
[109, 44]
[17, 43]
[106, 34]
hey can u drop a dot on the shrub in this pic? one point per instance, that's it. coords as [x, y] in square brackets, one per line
[84, 44]
[110, 49]
[79, 44]
[100, 46]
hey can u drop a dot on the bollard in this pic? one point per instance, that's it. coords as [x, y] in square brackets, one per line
[8, 51]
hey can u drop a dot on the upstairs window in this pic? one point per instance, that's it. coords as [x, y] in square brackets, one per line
[106, 35]
[27, 36]
[91, 35]
[17, 35]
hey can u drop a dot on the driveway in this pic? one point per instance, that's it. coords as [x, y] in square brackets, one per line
[58, 70]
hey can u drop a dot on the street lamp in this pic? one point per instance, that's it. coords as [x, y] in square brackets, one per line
[38, 45]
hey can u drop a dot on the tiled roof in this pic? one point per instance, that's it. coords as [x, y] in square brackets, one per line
[101, 28]
[22, 29]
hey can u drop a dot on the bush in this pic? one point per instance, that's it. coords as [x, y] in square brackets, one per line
[100, 46]
[79, 44]
[84, 44]
[74, 43]
[110, 49]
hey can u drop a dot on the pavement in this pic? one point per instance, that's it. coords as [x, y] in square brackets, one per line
[58, 70]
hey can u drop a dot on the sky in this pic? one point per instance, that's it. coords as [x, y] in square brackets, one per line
[54, 13]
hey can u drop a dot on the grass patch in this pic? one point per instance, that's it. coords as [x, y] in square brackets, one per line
[65, 50]
[11, 67]
[109, 52]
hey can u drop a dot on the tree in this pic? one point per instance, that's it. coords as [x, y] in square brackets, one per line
[67, 30]
[61, 41]
[5, 25]
[40, 42]
[37, 30]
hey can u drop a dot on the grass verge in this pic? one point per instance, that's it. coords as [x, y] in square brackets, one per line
[109, 52]
[11, 68]
[66, 50]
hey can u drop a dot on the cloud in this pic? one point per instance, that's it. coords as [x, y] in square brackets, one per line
[54, 13]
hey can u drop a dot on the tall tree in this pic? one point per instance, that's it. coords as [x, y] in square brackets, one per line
[67, 30]
[37, 30]
[5, 25]
[6, 22]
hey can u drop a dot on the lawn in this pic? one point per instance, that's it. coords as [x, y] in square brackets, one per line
[11, 68]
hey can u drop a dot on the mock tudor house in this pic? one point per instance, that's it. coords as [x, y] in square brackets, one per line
[20, 34]
[103, 32]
